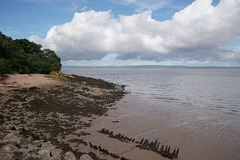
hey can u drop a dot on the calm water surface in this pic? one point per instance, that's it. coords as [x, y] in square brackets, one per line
[216, 89]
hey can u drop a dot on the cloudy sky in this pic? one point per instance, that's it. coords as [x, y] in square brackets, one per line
[129, 32]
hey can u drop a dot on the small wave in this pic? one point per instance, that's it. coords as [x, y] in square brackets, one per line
[165, 98]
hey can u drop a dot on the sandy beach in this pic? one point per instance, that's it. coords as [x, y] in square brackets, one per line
[18, 81]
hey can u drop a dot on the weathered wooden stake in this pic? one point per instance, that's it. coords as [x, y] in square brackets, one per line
[90, 144]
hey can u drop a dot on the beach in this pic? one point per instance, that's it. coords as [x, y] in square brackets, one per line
[170, 126]
[55, 108]
[134, 122]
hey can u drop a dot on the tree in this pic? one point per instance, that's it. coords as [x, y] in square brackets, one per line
[23, 56]
[53, 60]
[4, 66]
[27, 46]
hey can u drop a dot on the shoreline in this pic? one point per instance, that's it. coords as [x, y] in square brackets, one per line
[54, 109]
[209, 136]
[198, 133]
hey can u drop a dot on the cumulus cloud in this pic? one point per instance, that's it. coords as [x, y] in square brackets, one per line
[198, 32]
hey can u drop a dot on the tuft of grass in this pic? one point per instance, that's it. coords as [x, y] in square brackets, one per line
[56, 77]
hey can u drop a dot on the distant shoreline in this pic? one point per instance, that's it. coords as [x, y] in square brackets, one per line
[155, 67]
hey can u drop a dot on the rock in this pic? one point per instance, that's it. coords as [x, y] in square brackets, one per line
[6, 155]
[56, 157]
[10, 148]
[44, 154]
[48, 146]
[32, 147]
[11, 137]
[38, 143]
[115, 121]
[85, 157]
[49, 151]
[69, 156]
[9, 151]
[29, 158]
[56, 154]
[2, 134]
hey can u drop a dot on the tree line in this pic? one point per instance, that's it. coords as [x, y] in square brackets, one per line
[23, 56]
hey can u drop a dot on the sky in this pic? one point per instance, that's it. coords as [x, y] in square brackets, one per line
[129, 32]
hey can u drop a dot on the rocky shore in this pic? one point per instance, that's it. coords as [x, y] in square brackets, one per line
[38, 114]
[19, 145]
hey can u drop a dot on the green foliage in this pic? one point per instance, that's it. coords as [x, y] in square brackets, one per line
[23, 56]
[56, 77]
[4, 66]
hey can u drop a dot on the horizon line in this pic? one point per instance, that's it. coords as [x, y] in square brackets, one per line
[159, 66]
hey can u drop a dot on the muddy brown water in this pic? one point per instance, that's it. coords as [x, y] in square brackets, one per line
[199, 134]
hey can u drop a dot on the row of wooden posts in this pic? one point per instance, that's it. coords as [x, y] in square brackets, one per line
[144, 144]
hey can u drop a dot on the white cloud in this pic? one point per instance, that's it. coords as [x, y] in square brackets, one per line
[85, 7]
[77, 5]
[198, 32]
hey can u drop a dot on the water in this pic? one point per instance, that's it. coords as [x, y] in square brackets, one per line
[216, 89]
[196, 110]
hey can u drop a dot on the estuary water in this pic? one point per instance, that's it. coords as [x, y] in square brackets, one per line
[196, 110]
[216, 89]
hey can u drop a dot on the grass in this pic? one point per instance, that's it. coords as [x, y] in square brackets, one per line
[56, 77]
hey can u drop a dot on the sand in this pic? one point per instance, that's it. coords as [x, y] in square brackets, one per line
[14, 81]
[210, 136]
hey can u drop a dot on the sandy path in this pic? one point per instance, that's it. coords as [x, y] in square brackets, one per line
[14, 81]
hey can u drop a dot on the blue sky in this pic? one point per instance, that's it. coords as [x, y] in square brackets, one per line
[23, 18]
[129, 32]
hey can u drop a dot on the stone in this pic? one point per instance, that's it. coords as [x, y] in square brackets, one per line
[38, 143]
[56, 157]
[69, 156]
[28, 158]
[11, 137]
[6, 155]
[49, 151]
[10, 148]
[56, 152]
[33, 155]
[2, 134]
[85, 157]
[31, 147]
[44, 154]
[48, 146]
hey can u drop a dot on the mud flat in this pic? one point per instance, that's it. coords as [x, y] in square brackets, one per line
[195, 133]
